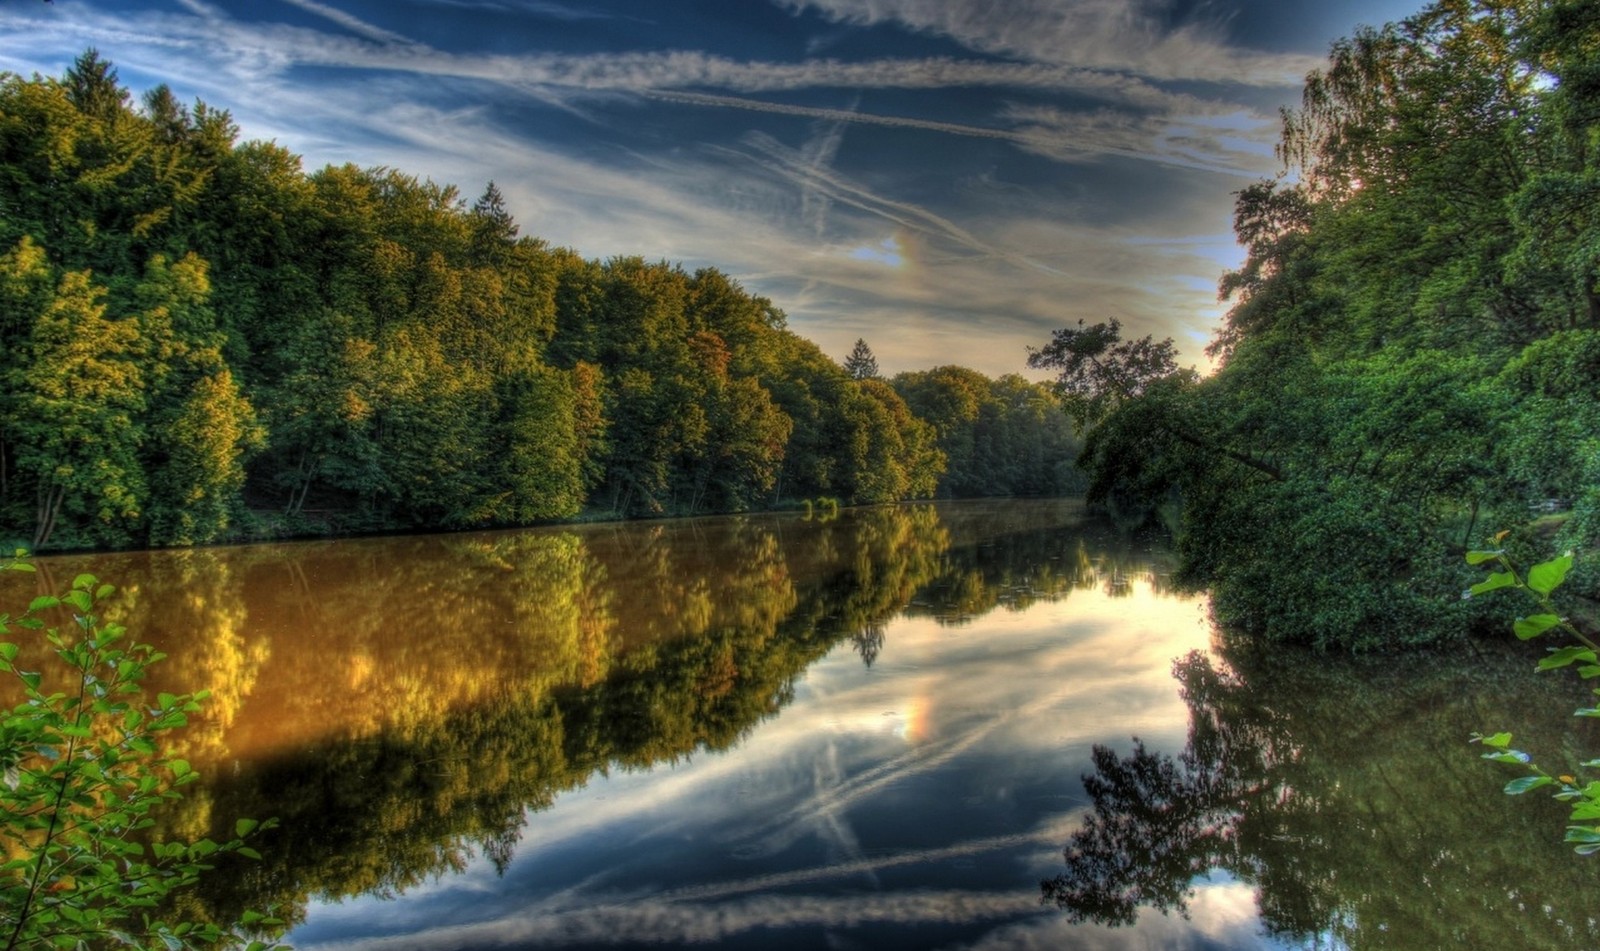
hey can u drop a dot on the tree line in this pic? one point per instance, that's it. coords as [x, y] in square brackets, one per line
[203, 342]
[1411, 360]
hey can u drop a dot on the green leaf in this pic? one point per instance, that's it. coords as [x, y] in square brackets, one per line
[1531, 627]
[1479, 557]
[1500, 579]
[1519, 786]
[43, 602]
[1567, 656]
[244, 827]
[79, 600]
[1545, 577]
[1498, 740]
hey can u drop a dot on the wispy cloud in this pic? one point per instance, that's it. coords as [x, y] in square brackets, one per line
[778, 210]
[1117, 35]
[353, 24]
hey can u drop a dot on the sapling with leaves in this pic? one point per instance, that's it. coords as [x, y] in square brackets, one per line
[1540, 583]
[81, 771]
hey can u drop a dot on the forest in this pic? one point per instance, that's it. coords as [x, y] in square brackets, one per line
[204, 342]
[1411, 362]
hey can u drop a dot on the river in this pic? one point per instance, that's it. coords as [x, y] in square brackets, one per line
[963, 725]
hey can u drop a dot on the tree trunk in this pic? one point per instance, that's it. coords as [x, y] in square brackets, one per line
[49, 507]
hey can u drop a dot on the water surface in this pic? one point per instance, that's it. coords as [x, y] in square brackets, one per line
[873, 731]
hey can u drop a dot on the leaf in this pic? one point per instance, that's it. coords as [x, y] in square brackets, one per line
[1500, 579]
[1567, 656]
[1519, 786]
[1531, 627]
[1546, 576]
[1479, 557]
[1498, 740]
[1583, 834]
[43, 602]
[244, 827]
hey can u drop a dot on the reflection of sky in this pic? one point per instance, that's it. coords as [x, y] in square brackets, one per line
[916, 803]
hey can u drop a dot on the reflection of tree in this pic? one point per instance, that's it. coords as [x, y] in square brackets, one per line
[403, 704]
[1012, 563]
[1347, 795]
[868, 642]
[479, 676]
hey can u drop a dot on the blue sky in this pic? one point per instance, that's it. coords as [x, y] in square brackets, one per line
[947, 179]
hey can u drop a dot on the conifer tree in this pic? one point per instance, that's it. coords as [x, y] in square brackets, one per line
[861, 364]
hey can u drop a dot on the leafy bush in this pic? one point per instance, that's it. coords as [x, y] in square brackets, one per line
[1541, 582]
[81, 769]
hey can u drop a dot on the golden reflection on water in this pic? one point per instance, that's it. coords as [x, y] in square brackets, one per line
[304, 643]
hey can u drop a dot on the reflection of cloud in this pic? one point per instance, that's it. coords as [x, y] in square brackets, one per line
[1087, 669]
[652, 921]
[1214, 921]
[1222, 914]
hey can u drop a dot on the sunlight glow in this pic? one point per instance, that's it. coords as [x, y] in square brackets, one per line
[888, 251]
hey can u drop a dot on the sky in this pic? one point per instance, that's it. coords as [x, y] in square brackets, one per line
[949, 180]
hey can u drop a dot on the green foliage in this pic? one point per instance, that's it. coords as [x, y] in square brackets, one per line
[240, 345]
[1410, 348]
[83, 775]
[1004, 437]
[1540, 582]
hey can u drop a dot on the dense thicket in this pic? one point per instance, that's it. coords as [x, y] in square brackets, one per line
[201, 340]
[1412, 357]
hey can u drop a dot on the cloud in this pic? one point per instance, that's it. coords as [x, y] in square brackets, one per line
[1236, 144]
[351, 23]
[1117, 35]
[997, 258]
